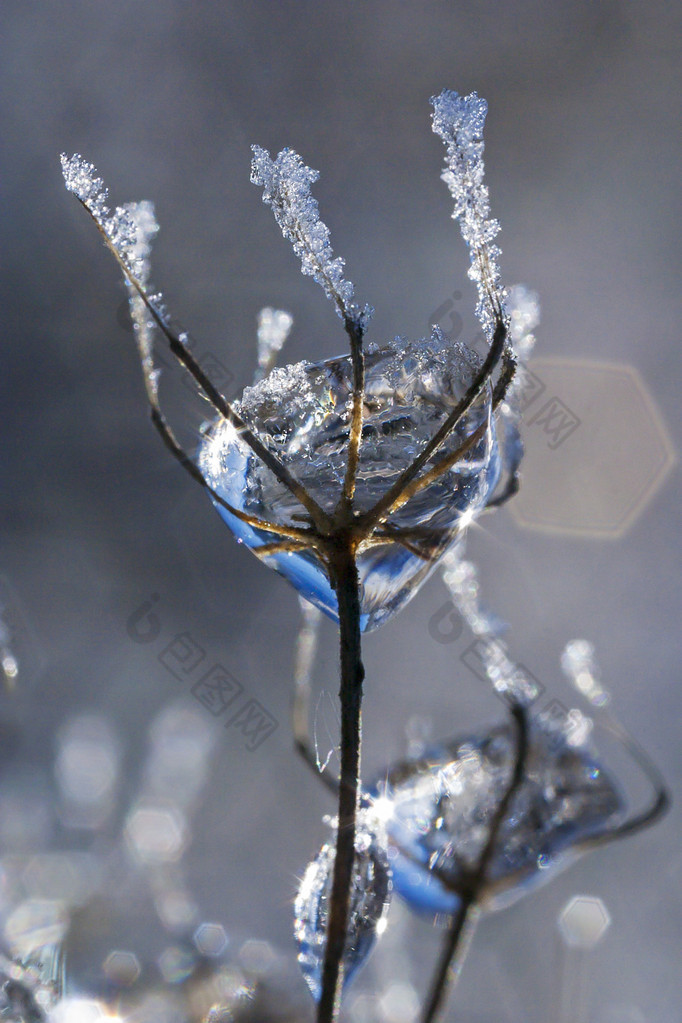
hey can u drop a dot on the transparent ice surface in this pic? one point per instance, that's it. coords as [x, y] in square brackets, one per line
[302, 413]
[370, 895]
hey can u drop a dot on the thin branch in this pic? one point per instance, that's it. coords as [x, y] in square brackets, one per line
[169, 439]
[450, 960]
[439, 469]
[220, 404]
[282, 547]
[395, 537]
[355, 334]
[472, 890]
[509, 367]
[347, 586]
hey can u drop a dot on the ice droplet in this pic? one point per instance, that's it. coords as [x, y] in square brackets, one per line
[370, 896]
[302, 413]
[443, 804]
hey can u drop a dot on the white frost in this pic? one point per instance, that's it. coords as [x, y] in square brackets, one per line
[459, 121]
[508, 678]
[129, 230]
[286, 182]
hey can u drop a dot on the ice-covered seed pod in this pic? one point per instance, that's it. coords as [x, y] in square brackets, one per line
[301, 412]
[442, 806]
[369, 902]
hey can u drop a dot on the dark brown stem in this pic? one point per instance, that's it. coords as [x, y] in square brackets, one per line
[476, 883]
[354, 332]
[450, 954]
[347, 586]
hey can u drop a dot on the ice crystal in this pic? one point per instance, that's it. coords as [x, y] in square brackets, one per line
[129, 230]
[273, 330]
[459, 121]
[301, 412]
[128, 237]
[286, 182]
[579, 664]
[369, 902]
[443, 804]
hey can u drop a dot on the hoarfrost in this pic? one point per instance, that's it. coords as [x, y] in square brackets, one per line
[286, 182]
[129, 230]
[459, 121]
[508, 678]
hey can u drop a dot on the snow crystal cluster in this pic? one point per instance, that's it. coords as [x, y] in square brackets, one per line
[459, 121]
[129, 230]
[286, 182]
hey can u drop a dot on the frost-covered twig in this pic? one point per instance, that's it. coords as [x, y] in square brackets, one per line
[454, 945]
[507, 678]
[286, 182]
[122, 239]
[459, 121]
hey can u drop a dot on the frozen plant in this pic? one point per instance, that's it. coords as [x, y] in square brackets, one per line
[352, 477]
[472, 823]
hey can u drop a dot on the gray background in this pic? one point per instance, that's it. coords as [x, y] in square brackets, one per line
[582, 161]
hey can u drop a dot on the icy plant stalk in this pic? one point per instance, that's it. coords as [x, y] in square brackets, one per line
[459, 121]
[129, 231]
[286, 182]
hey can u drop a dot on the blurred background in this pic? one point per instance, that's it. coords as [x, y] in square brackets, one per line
[100, 529]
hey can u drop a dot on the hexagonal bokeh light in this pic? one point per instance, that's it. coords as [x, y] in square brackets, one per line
[584, 921]
[597, 449]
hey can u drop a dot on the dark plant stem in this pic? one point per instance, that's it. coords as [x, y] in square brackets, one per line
[347, 586]
[470, 893]
[447, 962]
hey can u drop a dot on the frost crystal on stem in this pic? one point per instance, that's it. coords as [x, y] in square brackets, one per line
[459, 121]
[129, 230]
[286, 182]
